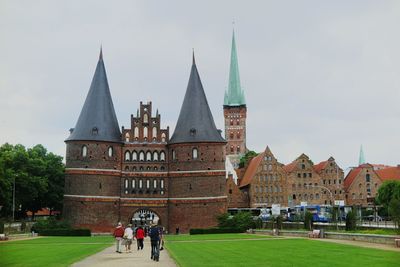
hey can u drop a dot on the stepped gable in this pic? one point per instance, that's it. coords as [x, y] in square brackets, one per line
[195, 122]
[97, 120]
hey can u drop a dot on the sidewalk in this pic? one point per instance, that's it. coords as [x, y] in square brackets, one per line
[109, 257]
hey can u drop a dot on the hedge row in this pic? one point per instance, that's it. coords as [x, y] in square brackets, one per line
[215, 231]
[65, 232]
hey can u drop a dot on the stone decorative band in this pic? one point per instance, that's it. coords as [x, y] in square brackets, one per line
[200, 171]
[146, 199]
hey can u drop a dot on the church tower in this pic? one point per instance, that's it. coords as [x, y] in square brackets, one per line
[235, 112]
[197, 187]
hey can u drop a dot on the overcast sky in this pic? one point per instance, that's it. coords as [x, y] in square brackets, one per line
[320, 77]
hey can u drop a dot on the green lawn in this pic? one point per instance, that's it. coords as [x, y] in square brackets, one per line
[214, 237]
[273, 252]
[50, 251]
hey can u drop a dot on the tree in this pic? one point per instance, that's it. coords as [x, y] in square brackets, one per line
[38, 177]
[308, 221]
[394, 211]
[351, 221]
[388, 191]
[244, 160]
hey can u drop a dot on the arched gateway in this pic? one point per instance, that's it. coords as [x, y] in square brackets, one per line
[143, 217]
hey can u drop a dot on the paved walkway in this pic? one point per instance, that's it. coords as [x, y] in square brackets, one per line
[109, 257]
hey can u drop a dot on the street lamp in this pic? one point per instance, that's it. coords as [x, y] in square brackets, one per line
[13, 206]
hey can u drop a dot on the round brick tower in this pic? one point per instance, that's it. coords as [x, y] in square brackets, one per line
[197, 187]
[93, 158]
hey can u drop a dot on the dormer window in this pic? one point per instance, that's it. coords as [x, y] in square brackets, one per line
[163, 137]
[95, 131]
[145, 118]
[192, 131]
[84, 151]
[195, 153]
[127, 137]
[110, 151]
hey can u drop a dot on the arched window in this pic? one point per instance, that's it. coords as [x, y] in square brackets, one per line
[141, 156]
[145, 132]
[133, 183]
[231, 149]
[353, 196]
[367, 178]
[162, 155]
[136, 132]
[154, 183]
[134, 156]
[110, 151]
[147, 183]
[316, 196]
[84, 151]
[361, 196]
[231, 122]
[270, 167]
[231, 135]
[154, 132]
[162, 184]
[237, 121]
[148, 156]
[126, 183]
[238, 149]
[238, 135]
[163, 137]
[127, 137]
[155, 156]
[140, 183]
[194, 153]
[127, 156]
[173, 155]
[145, 118]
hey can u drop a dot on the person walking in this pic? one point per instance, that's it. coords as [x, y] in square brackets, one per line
[139, 237]
[128, 237]
[118, 234]
[154, 234]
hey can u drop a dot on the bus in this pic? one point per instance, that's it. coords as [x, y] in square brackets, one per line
[320, 213]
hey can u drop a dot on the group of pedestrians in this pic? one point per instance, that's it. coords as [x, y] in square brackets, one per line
[125, 236]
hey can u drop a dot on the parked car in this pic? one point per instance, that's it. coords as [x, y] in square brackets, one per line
[373, 218]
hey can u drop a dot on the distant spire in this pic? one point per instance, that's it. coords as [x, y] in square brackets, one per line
[235, 94]
[193, 60]
[361, 159]
[101, 52]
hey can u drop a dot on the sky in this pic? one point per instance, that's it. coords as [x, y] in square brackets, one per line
[320, 77]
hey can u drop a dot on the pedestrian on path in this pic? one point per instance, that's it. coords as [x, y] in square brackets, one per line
[154, 234]
[118, 234]
[128, 237]
[139, 237]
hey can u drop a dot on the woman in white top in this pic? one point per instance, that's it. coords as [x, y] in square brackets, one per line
[128, 236]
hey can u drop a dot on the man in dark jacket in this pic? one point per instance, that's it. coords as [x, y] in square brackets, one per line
[155, 242]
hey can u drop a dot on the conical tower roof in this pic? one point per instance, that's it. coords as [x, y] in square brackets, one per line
[97, 121]
[235, 95]
[195, 122]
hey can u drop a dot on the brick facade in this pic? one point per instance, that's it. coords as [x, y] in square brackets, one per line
[140, 172]
[235, 132]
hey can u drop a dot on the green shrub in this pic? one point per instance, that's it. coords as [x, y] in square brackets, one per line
[65, 232]
[308, 223]
[1, 227]
[49, 224]
[279, 222]
[204, 231]
[351, 221]
[241, 220]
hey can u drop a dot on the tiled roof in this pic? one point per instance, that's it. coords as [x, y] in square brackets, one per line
[290, 167]
[320, 166]
[351, 176]
[251, 170]
[391, 173]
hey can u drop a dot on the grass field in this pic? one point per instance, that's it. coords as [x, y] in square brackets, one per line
[50, 251]
[237, 250]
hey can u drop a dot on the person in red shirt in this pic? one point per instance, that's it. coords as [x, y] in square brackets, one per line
[139, 237]
[118, 234]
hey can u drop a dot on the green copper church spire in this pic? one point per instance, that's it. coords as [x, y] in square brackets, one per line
[235, 95]
[361, 159]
